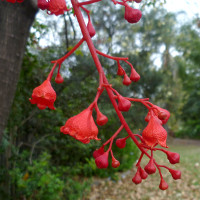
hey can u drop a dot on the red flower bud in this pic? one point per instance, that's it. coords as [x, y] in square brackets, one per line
[121, 143]
[44, 96]
[143, 174]
[150, 167]
[126, 80]
[115, 163]
[11, 1]
[123, 104]
[82, 127]
[163, 184]
[98, 152]
[134, 75]
[59, 78]
[102, 161]
[154, 133]
[43, 4]
[120, 70]
[173, 157]
[101, 119]
[132, 15]
[176, 174]
[91, 29]
[137, 1]
[148, 116]
[57, 7]
[162, 114]
[137, 178]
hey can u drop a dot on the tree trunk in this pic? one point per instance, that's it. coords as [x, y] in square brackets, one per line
[15, 22]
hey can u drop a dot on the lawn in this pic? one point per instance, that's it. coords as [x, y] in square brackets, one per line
[188, 188]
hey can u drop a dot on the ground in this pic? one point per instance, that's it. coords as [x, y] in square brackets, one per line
[188, 188]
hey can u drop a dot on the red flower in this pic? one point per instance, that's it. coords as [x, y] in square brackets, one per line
[82, 127]
[44, 96]
[57, 7]
[154, 133]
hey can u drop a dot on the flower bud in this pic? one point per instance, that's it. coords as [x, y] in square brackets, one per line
[101, 119]
[132, 15]
[163, 184]
[126, 80]
[102, 161]
[137, 1]
[115, 163]
[59, 78]
[173, 157]
[43, 4]
[148, 116]
[137, 178]
[98, 152]
[123, 104]
[176, 174]
[134, 75]
[121, 143]
[143, 174]
[91, 29]
[150, 167]
[120, 70]
[162, 115]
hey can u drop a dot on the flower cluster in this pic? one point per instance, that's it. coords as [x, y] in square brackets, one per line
[82, 126]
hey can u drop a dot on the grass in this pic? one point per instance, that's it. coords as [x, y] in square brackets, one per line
[188, 188]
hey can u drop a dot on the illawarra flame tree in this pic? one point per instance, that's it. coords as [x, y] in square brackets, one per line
[82, 126]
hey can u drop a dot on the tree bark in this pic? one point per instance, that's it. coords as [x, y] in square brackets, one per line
[15, 22]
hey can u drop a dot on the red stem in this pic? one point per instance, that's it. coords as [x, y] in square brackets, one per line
[92, 49]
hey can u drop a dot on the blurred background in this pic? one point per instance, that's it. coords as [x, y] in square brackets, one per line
[40, 163]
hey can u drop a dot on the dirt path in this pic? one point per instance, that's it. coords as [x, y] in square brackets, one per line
[188, 188]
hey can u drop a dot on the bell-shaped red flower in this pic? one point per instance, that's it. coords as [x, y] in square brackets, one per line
[44, 96]
[154, 133]
[132, 15]
[123, 104]
[102, 161]
[57, 7]
[82, 127]
[91, 29]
